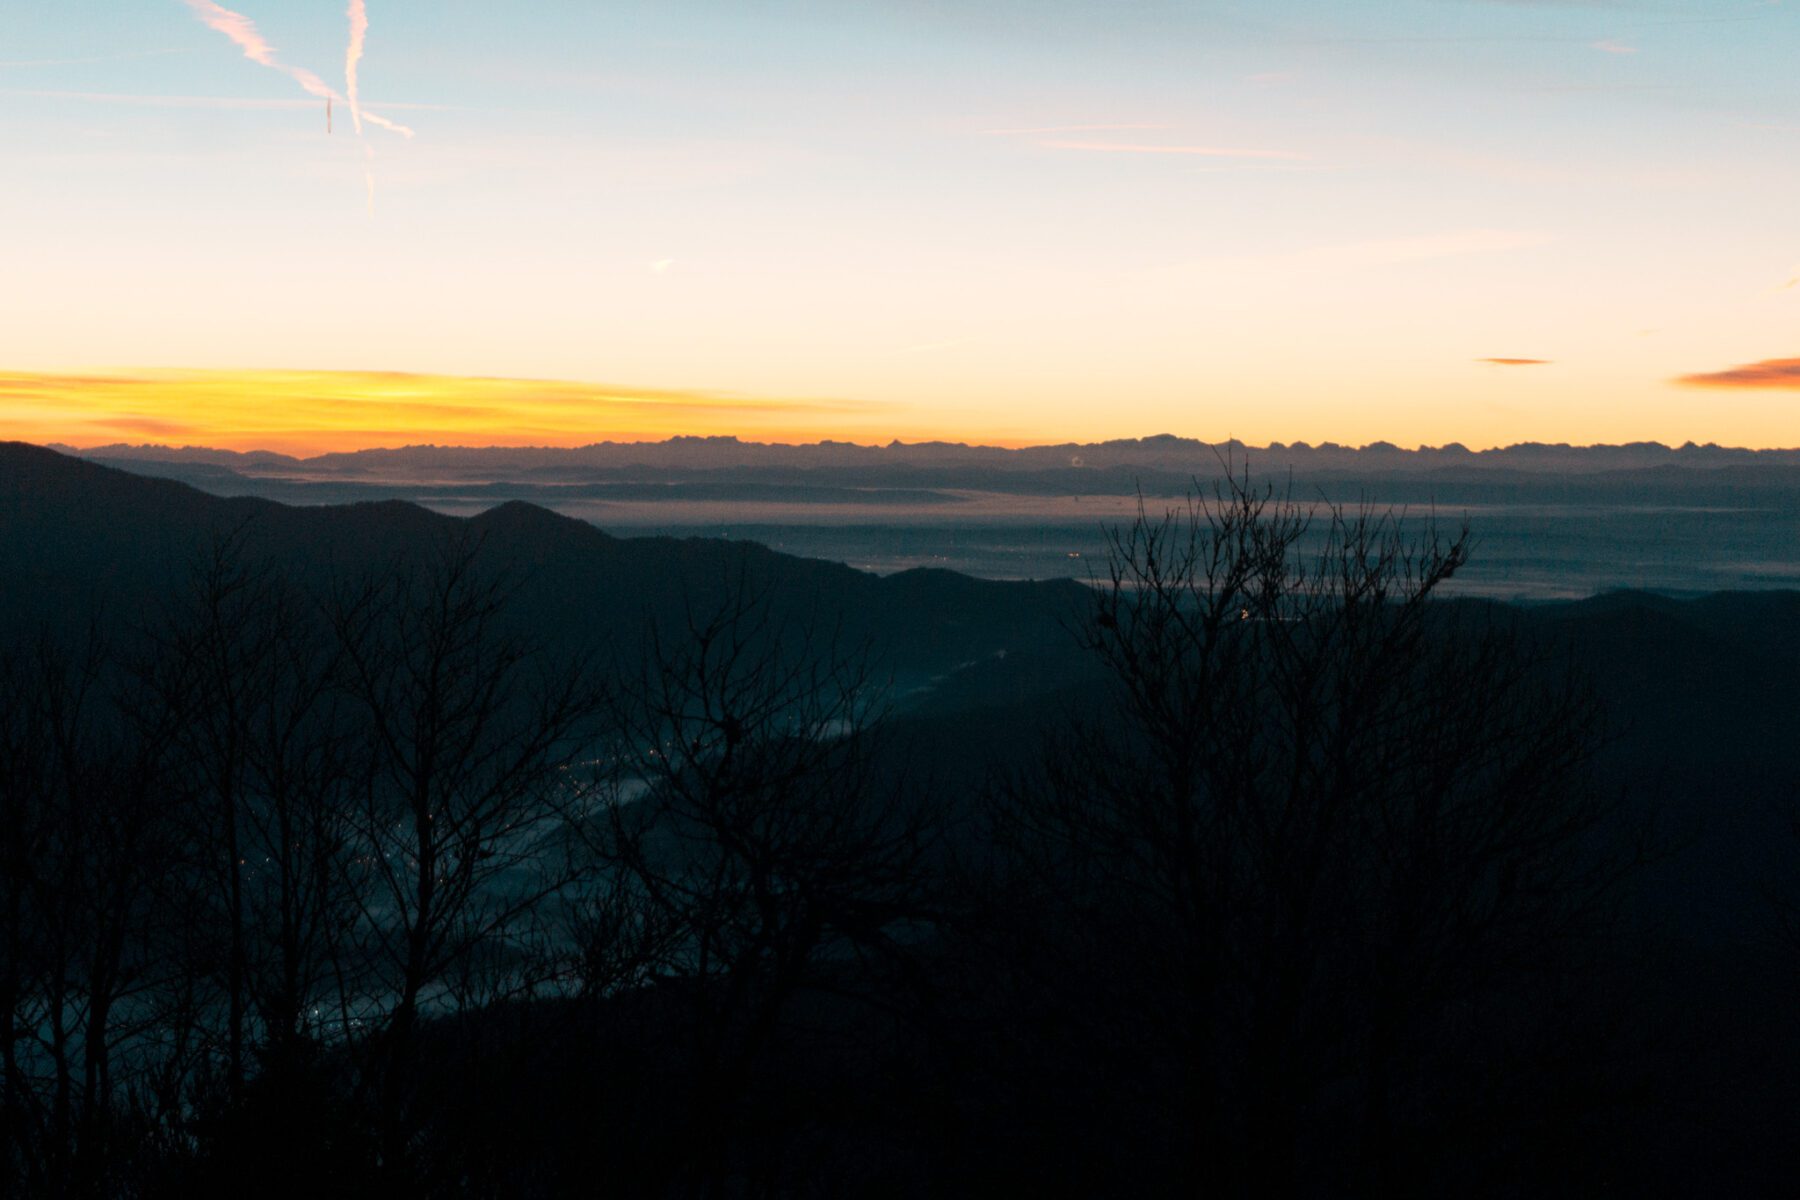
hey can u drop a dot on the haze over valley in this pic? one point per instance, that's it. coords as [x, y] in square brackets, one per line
[907, 599]
[1551, 521]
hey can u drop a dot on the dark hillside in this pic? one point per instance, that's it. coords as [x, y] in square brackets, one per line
[78, 538]
[988, 1012]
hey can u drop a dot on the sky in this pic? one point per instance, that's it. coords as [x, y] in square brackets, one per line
[1009, 221]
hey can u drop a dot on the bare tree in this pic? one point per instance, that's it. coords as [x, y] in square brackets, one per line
[84, 844]
[469, 734]
[759, 848]
[245, 672]
[1317, 813]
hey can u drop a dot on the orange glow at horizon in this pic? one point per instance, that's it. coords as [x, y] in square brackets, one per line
[306, 412]
[310, 412]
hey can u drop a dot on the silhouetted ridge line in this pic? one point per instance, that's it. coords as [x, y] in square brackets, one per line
[78, 538]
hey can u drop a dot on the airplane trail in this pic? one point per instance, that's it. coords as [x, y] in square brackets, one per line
[238, 28]
[358, 13]
[242, 31]
[395, 126]
[359, 28]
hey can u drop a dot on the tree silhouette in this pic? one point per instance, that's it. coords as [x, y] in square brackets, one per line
[245, 673]
[468, 733]
[84, 842]
[1325, 828]
[758, 845]
[353, 884]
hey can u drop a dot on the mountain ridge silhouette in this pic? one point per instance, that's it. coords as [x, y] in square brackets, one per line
[84, 538]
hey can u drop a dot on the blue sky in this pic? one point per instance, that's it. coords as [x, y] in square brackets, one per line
[985, 218]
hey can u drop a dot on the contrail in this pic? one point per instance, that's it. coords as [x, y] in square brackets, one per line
[238, 28]
[242, 30]
[359, 28]
[358, 13]
[398, 128]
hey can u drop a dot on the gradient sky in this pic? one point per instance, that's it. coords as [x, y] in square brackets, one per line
[998, 220]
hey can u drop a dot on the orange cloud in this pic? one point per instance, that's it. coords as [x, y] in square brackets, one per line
[1769, 373]
[1515, 362]
[318, 411]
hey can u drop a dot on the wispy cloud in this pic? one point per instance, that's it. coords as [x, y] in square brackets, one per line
[1043, 129]
[168, 101]
[1628, 6]
[1515, 362]
[1261, 168]
[126, 56]
[1553, 88]
[144, 101]
[1146, 148]
[1377, 252]
[1769, 373]
[1610, 46]
[1304, 267]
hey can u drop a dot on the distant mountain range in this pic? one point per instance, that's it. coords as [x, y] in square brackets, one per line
[1160, 453]
[723, 479]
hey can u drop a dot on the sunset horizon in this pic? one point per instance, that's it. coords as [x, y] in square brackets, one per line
[1424, 222]
[910, 598]
[305, 412]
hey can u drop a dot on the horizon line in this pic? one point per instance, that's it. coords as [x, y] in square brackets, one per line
[1277, 445]
[309, 412]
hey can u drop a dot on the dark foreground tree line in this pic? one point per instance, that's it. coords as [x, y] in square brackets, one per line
[355, 889]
